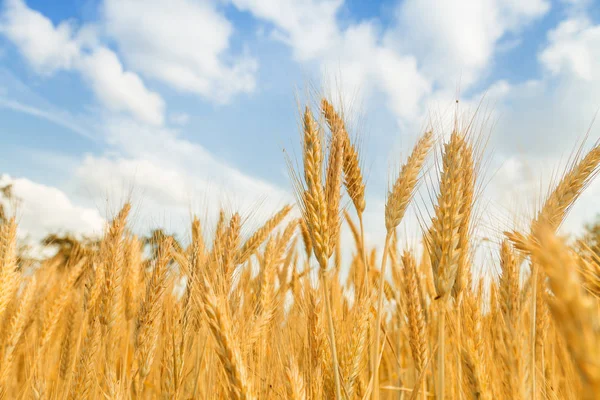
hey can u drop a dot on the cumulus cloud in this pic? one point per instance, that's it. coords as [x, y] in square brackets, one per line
[457, 40]
[308, 27]
[183, 43]
[548, 115]
[418, 60]
[354, 52]
[574, 48]
[120, 90]
[50, 48]
[46, 47]
[42, 209]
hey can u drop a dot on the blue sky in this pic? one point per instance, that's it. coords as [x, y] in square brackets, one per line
[188, 104]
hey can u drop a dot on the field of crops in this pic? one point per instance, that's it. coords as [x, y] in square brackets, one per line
[266, 315]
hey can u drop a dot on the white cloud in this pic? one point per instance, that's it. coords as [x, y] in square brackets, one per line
[49, 49]
[120, 90]
[354, 54]
[548, 115]
[455, 41]
[309, 27]
[182, 43]
[574, 48]
[44, 209]
[541, 123]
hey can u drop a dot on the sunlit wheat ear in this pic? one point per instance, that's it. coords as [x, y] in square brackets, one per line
[568, 190]
[227, 351]
[85, 373]
[573, 310]
[133, 276]
[295, 382]
[230, 249]
[51, 317]
[306, 239]
[416, 317]
[404, 186]
[196, 260]
[561, 199]
[311, 192]
[445, 234]
[395, 207]
[112, 297]
[69, 342]
[463, 274]
[112, 247]
[589, 267]
[16, 326]
[8, 263]
[333, 185]
[353, 179]
[146, 330]
[509, 283]
[259, 236]
[359, 345]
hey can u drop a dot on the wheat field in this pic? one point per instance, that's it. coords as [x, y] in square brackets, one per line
[266, 314]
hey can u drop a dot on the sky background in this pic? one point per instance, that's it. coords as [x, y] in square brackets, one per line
[186, 105]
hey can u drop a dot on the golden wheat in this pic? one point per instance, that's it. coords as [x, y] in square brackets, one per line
[267, 315]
